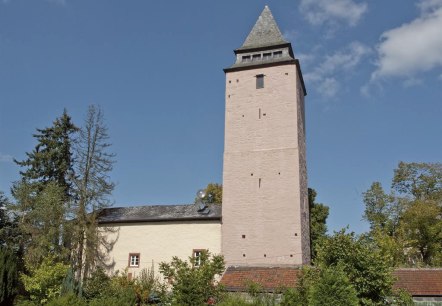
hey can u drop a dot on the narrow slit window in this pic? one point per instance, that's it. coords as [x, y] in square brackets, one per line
[259, 114]
[259, 81]
[259, 183]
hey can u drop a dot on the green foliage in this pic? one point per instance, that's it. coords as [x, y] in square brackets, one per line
[299, 296]
[194, 285]
[45, 282]
[42, 221]
[97, 284]
[406, 225]
[366, 267]
[419, 180]
[379, 209]
[214, 193]
[8, 276]
[51, 160]
[333, 288]
[70, 299]
[422, 225]
[318, 219]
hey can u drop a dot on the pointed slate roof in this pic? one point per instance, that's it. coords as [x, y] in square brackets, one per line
[265, 32]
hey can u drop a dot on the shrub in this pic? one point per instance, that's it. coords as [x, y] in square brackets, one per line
[194, 285]
[333, 288]
[45, 282]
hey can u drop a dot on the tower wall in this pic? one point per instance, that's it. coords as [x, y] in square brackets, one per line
[265, 208]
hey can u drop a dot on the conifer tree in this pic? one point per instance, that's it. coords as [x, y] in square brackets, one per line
[51, 159]
[92, 187]
[43, 194]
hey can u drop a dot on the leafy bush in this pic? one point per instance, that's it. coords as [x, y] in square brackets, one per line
[70, 299]
[333, 288]
[97, 284]
[194, 285]
[45, 282]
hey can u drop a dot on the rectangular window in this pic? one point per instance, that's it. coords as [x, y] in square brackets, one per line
[134, 260]
[259, 81]
[256, 57]
[246, 58]
[277, 54]
[197, 257]
[267, 56]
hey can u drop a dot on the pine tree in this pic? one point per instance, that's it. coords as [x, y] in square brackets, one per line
[51, 159]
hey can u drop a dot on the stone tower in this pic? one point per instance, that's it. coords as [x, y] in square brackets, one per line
[265, 207]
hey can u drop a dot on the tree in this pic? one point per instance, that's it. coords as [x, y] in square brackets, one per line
[422, 181]
[406, 223]
[51, 160]
[422, 226]
[194, 285]
[92, 188]
[364, 265]
[214, 193]
[45, 281]
[8, 276]
[42, 217]
[333, 288]
[318, 219]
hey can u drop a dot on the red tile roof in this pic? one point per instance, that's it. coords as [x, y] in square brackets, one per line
[420, 282]
[270, 278]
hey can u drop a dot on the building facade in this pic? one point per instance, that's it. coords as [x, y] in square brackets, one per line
[265, 206]
[265, 214]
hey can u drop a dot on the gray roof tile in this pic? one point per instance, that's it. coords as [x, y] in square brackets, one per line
[157, 213]
[265, 32]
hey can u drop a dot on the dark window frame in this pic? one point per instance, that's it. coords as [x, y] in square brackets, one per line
[130, 260]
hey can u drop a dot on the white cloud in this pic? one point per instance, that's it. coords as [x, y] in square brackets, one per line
[429, 5]
[329, 87]
[5, 158]
[323, 76]
[412, 47]
[319, 12]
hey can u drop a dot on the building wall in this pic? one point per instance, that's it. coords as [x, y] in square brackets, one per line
[160, 241]
[264, 174]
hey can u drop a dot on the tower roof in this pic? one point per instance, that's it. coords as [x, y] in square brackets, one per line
[265, 32]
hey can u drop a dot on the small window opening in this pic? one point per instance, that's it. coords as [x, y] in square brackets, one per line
[243, 255]
[237, 81]
[291, 255]
[277, 54]
[259, 81]
[256, 57]
[259, 183]
[243, 236]
[286, 73]
[197, 257]
[245, 58]
[251, 174]
[296, 234]
[264, 114]
[265, 255]
[230, 81]
[267, 56]
[134, 260]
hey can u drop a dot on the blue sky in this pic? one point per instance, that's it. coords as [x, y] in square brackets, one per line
[373, 72]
